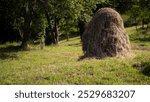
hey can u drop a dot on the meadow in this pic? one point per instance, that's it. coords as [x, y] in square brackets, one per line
[62, 64]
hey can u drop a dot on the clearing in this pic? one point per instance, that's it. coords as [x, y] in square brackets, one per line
[61, 64]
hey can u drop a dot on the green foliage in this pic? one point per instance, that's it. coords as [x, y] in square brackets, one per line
[69, 13]
[88, 6]
[67, 9]
[140, 11]
[144, 13]
[66, 27]
[38, 25]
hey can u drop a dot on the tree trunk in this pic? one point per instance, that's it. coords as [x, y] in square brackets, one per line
[67, 37]
[27, 22]
[81, 25]
[143, 24]
[147, 25]
[148, 21]
[48, 35]
[48, 39]
[56, 37]
[136, 24]
[51, 34]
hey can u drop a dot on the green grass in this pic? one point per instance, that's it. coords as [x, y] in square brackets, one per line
[61, 65]
[140, 37]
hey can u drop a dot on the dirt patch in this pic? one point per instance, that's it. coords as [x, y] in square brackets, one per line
[41, 78]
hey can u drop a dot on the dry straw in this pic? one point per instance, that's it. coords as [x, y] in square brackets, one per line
[105, 35]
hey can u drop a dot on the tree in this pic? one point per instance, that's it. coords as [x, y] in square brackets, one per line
[134, 14]
[58, 11]
[140, 12]
[21, 13]
[27, 23]
[28, 15]
[88, 8]
[144, 14]
[39, 25]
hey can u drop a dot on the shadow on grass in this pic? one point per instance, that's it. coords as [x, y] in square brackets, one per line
[143, 67]
[10, 48]
[72, 35]
[144, 39]
[4, 56]
[9, 52]
[75, 45]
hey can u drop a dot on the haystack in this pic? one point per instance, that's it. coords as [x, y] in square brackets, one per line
[105, 35]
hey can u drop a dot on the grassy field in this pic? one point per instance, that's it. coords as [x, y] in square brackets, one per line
[61, 64]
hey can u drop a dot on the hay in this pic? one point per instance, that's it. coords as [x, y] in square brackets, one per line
[105, 35]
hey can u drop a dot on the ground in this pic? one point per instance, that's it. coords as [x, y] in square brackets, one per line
[62, 65]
